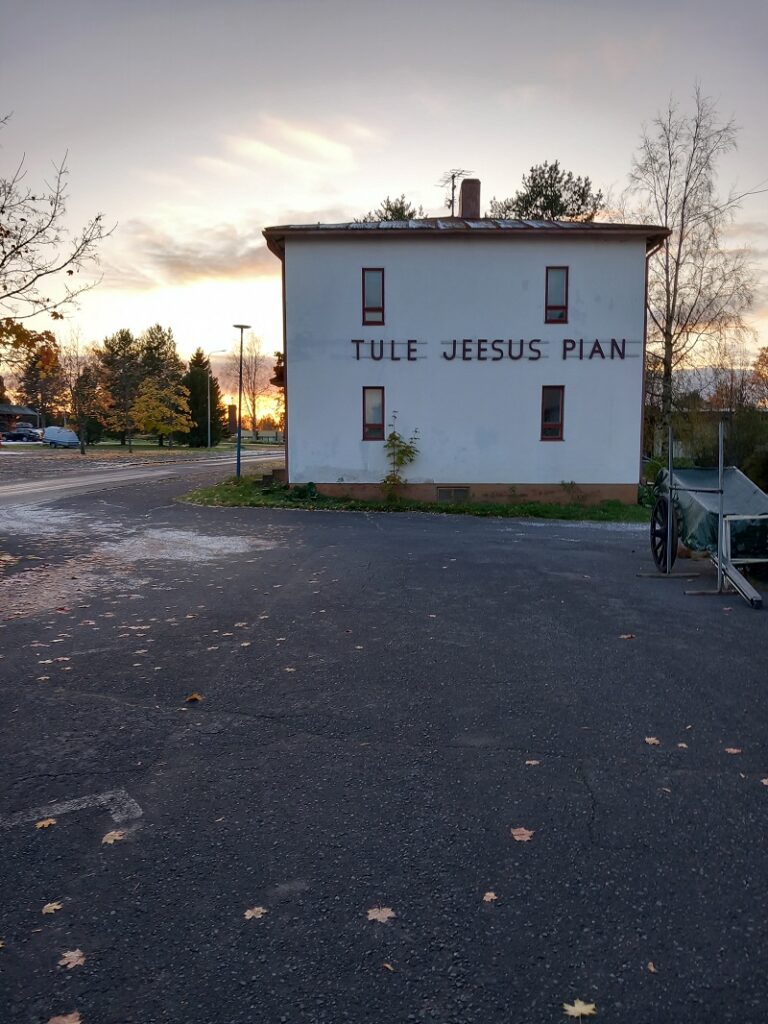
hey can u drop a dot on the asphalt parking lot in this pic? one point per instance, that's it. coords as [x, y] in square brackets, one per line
[383, 700]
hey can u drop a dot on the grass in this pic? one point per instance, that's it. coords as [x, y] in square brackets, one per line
[250, 492]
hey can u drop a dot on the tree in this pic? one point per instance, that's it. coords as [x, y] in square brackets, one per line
[86, 401]
[278, 380]
[392, 209]
[550, 193]
[121, 371]
[162, 408]
[256, 374]
[697, 288]
[160, 361]
[760, 378]
[38, 256]
[196, 381]
[40, 383]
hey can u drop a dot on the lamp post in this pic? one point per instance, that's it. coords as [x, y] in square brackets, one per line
[241, 328]
[215, 352]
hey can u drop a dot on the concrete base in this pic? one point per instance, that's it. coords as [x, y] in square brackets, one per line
[501, 494]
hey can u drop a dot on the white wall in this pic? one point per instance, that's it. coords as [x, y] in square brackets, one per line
[479, 422]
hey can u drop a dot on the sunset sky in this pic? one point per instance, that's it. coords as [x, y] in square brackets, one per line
[193, 125]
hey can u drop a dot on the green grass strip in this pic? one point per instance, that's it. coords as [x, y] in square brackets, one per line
[249, 492]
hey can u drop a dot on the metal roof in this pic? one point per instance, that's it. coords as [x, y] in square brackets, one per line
[16, 410]
[487, 227]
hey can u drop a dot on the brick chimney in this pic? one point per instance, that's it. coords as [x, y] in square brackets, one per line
[469, 199]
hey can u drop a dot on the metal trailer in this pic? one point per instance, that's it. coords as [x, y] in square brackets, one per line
[720, 512]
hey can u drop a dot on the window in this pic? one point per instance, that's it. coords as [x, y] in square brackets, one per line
[373, 414]
[552, 401]
[556, 309]
[373, 295]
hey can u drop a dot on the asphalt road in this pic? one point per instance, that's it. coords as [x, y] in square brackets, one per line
[384, 699]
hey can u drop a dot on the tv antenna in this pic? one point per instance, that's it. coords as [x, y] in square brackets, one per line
[448, 181]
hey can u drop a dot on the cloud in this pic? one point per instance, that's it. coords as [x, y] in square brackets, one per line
[291, 145]
[155, 256]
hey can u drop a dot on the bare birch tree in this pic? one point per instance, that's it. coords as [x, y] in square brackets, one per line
[257, 369]
[698, 289]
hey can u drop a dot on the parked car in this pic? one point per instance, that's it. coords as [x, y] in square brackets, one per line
[61, 437]
[20, 433]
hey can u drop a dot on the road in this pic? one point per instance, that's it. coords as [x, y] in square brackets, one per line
[39, 482]
[384, 698]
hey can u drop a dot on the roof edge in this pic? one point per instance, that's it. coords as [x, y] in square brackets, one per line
[275, 237]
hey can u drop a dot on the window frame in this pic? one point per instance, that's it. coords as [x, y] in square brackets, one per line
[561, 422]
[548, 306]
[366, 424]
[372, 311]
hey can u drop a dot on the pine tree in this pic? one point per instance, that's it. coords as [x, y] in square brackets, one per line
[41, 384]
[120, 359]
[196, 380]
[160, 362]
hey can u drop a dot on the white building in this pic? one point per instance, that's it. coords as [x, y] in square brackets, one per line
[515, 348]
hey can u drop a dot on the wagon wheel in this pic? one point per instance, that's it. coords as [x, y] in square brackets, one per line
[659, 534]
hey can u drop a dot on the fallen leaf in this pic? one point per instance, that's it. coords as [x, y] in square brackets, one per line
[683, 746]
[2, 944]
[533, 762]
[652, 967]
[51, 908]
[241, 623]
[764, 782]
[381, 914]
[522, 835]
[113, 837]
[627, 636]
[489, 897]
[255, 913]
[652, 741]
[67, 1018]
[579, 1009]
[45, 823]
[732, 750]
[388, 967]
[72, 958]
[194, 697]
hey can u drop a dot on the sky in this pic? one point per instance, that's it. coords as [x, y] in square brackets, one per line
[191, 125]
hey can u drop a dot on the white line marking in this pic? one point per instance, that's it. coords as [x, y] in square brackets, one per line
[121, 807]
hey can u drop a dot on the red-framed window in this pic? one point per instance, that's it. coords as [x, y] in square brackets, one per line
[373, 414]
[556, 299]
[373, 295]
[552, 411]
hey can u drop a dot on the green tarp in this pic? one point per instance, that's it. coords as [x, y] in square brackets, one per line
[697, 512]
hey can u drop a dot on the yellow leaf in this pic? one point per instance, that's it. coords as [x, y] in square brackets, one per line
[732, 750]
[67, 1018]
[255, 913]
[51, 908]
[113, 837]
[683, 746]
[489, 897]
[45, 823]
[72, 958]
[533, 762]
[652, 741]
[522, 835]
[764, 782]
[381, 914]
[388, 967]
[579, 1009]
[652, 967]
[194, 697]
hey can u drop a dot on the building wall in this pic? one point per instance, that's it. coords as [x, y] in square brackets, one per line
[479, 421]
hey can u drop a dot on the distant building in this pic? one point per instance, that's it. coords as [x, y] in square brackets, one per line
[516, 348]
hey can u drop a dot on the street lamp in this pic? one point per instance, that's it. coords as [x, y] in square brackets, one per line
[241, 328]
[216, 351]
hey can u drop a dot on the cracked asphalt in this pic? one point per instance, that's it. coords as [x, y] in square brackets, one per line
[373, 686]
